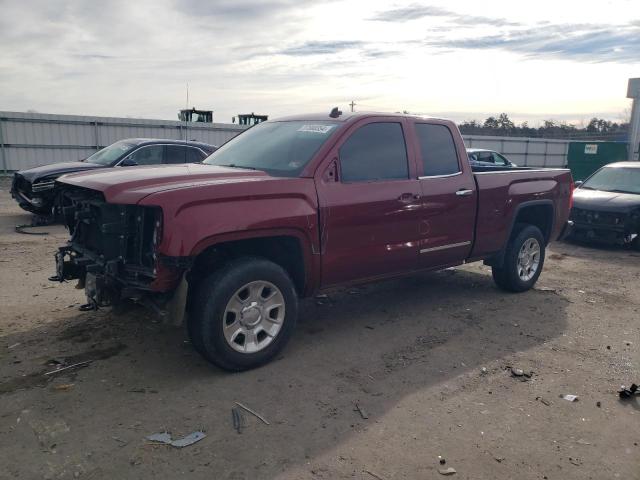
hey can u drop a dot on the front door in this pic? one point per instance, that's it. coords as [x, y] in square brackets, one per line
[369, 205]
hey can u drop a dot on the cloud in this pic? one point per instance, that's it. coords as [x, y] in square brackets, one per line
[321, 48]
[590, 43]
[415, 12]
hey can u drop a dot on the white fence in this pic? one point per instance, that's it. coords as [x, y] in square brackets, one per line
[524, 152]
[31, 139]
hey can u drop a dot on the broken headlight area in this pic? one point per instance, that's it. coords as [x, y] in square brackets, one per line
[113, 248]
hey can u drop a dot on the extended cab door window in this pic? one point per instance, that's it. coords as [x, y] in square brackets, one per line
[374, 152]
[369, 214]
[449, 199]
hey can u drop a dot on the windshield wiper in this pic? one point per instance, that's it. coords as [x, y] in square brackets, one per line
[619, 191]
[233, 165]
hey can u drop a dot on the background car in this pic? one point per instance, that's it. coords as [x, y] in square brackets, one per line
[487, 158]
[606, 206]
[34, 189]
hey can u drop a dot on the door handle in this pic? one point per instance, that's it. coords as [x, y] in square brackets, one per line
[408, 197]
[464, 192]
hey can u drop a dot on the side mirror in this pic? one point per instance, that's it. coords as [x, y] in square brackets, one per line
[128, 162]
[577, 184]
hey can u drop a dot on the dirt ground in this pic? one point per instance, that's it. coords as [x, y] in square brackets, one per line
[426, 358]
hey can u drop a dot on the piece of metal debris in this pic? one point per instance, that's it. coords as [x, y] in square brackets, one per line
[361, 411]
[544, 401]
[75, 365]
[374, 475]
[11, 347]
[570, 398]
[447, 471]
[582, 441]
[628, 392]
[65, 387]
[166, 438]
[255, 414]
[238, 419]
[517, 372]
[441, 460]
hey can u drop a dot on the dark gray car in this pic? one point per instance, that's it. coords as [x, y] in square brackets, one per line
[35, 191]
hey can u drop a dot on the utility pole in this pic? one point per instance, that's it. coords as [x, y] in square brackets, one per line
[352, 104]
[633, 92]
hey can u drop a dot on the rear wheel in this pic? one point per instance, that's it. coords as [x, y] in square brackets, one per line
[523, 260]
[243, 314]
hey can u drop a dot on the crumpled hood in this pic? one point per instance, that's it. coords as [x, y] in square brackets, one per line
[605, 201]
[131, 184]
[56, 169]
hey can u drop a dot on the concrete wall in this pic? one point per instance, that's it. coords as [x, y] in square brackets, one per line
[31, 139]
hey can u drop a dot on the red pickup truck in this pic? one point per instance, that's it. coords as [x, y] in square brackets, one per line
[294, 206]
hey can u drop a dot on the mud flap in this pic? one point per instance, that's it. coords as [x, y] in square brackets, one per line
[176, 307]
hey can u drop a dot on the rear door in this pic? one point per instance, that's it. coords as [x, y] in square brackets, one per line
[449, 197]
[369, 200]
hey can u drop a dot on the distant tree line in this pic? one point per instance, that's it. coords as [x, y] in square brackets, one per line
[502, 125]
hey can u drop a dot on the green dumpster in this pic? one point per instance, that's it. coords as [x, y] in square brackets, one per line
[584, 158]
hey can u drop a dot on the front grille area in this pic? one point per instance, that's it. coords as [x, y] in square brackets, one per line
[111, 239]
[598, 218]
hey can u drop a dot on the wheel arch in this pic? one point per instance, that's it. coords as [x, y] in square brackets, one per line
[539, 213]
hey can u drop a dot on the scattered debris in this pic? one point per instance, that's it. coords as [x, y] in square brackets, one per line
[582, 441]
[255, 414]
[238, 419]
[628, 392]
[569, 397]
[120, 441]
[11, 347]
[166, 438]
[75, 365]
[441, 460]
[483, 371]
[322, 296]
[65, 387]
[374, 475]
[447, 471]
[547, 289]
[575, 461]
[361, 411]
[581, 291]
[520, 373]
[544, 401]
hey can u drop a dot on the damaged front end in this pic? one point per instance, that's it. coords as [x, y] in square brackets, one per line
[113, 252]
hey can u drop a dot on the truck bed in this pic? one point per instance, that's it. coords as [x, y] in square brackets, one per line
[502, 191]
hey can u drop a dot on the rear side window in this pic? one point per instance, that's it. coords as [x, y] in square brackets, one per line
[376, 151]
[438, 151]
[175, 154]
[194, 155]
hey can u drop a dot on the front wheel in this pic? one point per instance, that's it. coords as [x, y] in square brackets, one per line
[523, 260]
[243, 314]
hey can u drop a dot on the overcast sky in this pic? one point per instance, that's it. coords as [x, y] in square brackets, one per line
[466, 59]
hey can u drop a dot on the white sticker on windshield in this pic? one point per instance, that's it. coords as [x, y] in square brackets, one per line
[316, 128]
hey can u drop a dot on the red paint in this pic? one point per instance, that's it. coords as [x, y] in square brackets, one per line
[349, 232]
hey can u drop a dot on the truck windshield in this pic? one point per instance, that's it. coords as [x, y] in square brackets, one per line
[615, 179]
[110, 154]
[278, 148]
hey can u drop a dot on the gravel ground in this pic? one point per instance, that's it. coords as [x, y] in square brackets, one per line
[426, 359]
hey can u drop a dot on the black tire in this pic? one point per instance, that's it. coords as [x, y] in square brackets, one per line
[506, 277]
[206, 320]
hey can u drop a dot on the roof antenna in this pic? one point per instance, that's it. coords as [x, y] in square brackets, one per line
[335, 113]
